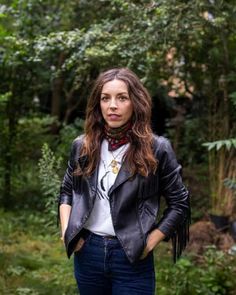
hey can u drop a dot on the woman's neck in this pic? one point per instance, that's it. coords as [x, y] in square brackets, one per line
[116, 137]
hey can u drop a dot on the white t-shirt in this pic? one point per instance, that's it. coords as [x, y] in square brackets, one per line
[100, 221]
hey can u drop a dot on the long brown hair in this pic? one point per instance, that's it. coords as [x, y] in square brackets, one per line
[139, 156]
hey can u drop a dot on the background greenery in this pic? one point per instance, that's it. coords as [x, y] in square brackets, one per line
[50, 53]
[34, 262]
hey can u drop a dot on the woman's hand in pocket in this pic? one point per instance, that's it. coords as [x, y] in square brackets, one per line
[79, 245]
[153, 239]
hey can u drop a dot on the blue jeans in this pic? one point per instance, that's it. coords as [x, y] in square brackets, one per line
[102, 268]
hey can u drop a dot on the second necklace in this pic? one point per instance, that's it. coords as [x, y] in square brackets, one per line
[114, 163]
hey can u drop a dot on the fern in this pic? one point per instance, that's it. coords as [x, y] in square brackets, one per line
[227, 143]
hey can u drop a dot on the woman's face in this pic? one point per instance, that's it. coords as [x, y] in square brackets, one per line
[115, 103]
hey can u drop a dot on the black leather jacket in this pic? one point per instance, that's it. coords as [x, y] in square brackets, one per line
[134, 201]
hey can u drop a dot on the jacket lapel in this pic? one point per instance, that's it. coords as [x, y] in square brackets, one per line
[93, 178]
[122, 177]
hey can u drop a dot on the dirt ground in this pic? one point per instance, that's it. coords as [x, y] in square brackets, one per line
[204, 234]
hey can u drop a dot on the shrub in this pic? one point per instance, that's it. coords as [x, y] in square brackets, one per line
[215, 275]
[49, 166]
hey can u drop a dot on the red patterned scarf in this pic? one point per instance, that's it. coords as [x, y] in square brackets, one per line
[117, 136]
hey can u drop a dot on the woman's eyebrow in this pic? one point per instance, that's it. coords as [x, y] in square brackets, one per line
[117, 93]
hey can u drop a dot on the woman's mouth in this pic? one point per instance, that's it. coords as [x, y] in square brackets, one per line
[114, 117]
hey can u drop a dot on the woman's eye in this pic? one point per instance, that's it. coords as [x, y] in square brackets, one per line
[122, 98]
[104, 98]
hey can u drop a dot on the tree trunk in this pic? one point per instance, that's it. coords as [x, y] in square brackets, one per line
[7, 201]
[57, 87]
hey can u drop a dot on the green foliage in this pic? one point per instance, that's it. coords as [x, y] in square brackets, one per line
[213, 276]
[49, 167]
[66, 136]
[33, 130]
[222, 167]
[218, 273]
[34, 261]
[29, 135]
[227, 143]
[188, 141]
[53, 50]
[233, 98]
[4, 98]
[231, 184]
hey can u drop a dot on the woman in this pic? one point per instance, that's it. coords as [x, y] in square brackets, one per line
[110, 195]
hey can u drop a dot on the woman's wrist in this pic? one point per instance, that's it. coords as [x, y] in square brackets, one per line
[154, 238]
[62, 235]
[64, 218]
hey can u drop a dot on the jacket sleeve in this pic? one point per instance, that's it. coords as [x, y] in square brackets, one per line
[176, 217]
[65, 196]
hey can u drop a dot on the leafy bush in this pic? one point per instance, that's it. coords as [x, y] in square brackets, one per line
[50, 169]
[67, 134]
[215, 275]
[49, 166]
[24, 152]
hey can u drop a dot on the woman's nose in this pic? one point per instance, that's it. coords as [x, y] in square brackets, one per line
[113, 104]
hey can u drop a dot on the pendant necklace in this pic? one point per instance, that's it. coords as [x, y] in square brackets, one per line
[114, 167]
[114, 163]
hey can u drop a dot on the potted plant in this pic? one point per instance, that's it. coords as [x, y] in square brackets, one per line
[222, 166]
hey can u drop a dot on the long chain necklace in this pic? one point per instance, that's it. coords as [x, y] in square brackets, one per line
[114, 163]
[114, 167]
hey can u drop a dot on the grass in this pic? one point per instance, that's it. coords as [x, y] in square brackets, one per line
[33, 261]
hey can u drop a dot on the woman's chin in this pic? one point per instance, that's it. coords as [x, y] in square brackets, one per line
[115, 124]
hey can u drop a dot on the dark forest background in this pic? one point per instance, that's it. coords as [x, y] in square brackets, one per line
[51, 51]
